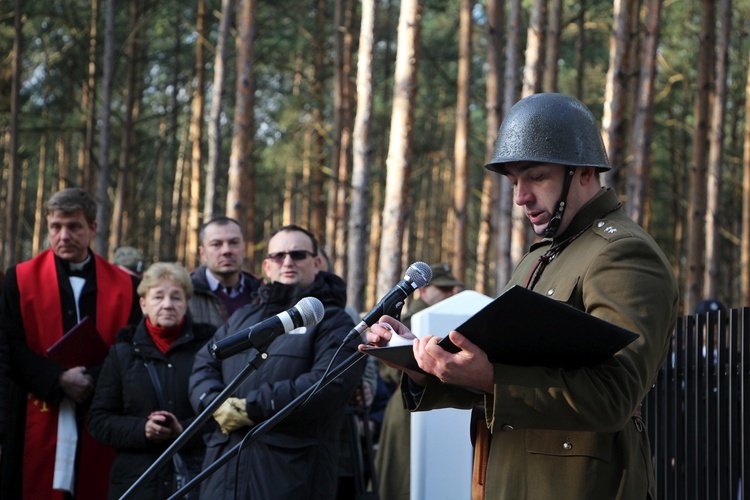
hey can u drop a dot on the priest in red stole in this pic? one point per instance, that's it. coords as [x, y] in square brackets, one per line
[42, 299]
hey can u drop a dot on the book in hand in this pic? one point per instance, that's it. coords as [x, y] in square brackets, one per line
[525, 328]
[80, 346]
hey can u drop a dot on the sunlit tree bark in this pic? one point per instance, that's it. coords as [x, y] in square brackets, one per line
[214, 121]
[505, 254]
[461, 143]
[400, 146]
[745, 243]
[356, 254]
[241, 183]
[489, 211]
[197, 107]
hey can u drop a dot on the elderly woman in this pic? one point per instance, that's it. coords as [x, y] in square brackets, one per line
[141, 401]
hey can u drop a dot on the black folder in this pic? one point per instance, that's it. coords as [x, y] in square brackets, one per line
[525, 328]
[82, 345]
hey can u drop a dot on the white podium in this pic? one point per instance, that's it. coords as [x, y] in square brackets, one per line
[441, 451]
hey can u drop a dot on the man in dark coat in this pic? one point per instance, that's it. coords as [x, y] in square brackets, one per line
[220, 285]
[297, 458]
[42, 299]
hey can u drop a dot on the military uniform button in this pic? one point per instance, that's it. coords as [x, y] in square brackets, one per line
[507, 427]
[601, 223]
[551, 291]
[568, 446]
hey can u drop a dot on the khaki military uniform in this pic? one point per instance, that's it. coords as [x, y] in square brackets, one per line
[572, 434]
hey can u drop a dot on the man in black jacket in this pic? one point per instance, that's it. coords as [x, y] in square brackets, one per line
[297, 458]
[221, 286]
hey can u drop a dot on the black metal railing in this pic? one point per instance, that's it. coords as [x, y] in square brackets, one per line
[697, 412]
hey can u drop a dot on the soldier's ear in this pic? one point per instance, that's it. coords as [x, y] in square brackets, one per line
[588, 174]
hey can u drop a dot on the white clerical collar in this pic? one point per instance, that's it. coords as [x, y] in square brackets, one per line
[78, 266]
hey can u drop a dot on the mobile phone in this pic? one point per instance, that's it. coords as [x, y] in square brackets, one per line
[167, 421]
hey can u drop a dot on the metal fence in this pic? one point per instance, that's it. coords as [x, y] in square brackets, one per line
[697, 412]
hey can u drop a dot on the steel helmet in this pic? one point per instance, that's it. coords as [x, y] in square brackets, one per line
[549, 128]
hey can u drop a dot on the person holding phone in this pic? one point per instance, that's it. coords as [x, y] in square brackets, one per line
[141, 401]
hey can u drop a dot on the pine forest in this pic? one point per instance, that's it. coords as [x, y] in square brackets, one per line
[369, 122]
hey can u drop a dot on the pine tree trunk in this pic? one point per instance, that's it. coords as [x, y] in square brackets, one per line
[317, 157]
[214, 121]
[640, 142]
[196, 137]
[356, 276]
[504, 250]
[697, 205]
[461, 144]
[123, 206]
[241, 178]
[88, 108]
[745, 243]
[12, 209]
[399, 158]
[39, 213]
[488, 214]
[102, 213]
[552, 46]
[616, 92]
[712, 278]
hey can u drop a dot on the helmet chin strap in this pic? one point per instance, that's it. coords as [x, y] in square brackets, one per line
[554, 222]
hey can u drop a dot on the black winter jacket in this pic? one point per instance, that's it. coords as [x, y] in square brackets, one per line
[125, 396]
[297, 458]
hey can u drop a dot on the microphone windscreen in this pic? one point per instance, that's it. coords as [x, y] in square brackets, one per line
[419, 273]
[311, 310]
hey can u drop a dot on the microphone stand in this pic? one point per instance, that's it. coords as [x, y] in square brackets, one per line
[252, 365]
[268, 424]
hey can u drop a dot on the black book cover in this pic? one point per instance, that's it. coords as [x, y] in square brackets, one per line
[525, 328]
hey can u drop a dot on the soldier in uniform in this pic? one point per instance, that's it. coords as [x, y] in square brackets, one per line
[551, 432]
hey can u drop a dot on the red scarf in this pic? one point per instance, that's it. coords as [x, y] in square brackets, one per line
[164, 336]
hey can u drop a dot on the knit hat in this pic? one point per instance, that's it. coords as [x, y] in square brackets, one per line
[130, 258]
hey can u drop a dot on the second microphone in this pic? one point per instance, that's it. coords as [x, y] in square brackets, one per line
[308, 312]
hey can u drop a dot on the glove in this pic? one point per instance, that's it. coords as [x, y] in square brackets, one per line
[231, 415]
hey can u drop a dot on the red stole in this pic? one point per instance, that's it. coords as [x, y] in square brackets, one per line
[41, 310]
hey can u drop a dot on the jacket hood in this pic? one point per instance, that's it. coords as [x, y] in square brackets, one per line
[327, 287]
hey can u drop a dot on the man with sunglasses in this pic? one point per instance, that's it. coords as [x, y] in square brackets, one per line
[297, 458]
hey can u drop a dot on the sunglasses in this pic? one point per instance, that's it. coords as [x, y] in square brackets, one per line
[296, 255]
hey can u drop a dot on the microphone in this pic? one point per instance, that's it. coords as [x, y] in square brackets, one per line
[417, 275]
[308, 312]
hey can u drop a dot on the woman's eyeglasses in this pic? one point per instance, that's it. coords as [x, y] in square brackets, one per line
[296, 255]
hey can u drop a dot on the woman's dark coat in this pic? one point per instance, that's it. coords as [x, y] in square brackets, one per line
[125, 396]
